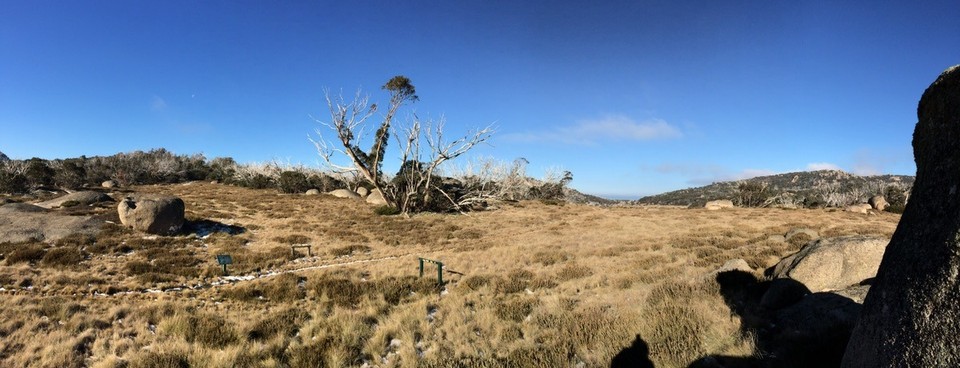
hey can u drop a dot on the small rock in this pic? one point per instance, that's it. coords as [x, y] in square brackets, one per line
[108, 184]
[312, 192]
[718, 204]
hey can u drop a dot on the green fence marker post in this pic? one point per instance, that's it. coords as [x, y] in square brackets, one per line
[440, 273]
[421, 267]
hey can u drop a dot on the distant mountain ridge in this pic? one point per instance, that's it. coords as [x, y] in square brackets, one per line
[3, 157]
[806, 189]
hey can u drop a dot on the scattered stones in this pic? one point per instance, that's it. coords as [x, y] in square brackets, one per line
[312, 192]
[833, 263]
[376, 198]
[911, 317]
[84, 198]
[878, 203]
[108, 184]
[343, 193]
[154, 214]
[718, 204]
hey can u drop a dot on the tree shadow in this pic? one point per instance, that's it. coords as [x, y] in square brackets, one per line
[791, 326]
[207, 227]
[637, 355]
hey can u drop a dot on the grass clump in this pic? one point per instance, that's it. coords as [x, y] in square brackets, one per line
[28, 253]
[63, 257]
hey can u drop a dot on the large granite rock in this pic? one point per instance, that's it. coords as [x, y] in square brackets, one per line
[833, 263]
[911, 315]
[154, 214]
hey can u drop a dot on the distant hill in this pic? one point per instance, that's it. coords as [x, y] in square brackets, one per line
[574, 196]
[3, 157]
[832, 188]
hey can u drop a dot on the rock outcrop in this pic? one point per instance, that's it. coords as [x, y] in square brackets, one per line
[911, 317]
[84, 198]
[21, 222]
[833, 263]
[154, 214]
[718, 204]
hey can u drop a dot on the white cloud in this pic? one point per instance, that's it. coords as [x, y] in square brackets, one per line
[609, 128]
[704, 174]
[158, 104]
[817, 166]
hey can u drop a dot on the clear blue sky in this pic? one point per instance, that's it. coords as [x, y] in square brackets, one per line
[633, 97]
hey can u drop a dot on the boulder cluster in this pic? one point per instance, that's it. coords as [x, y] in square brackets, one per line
[374, 197]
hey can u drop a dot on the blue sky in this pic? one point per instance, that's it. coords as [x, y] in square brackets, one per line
[633, 97]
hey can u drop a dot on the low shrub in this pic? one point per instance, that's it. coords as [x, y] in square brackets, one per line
[386, 210]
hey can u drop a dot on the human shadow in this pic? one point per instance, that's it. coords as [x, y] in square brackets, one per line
[791, 326]
[637, 355]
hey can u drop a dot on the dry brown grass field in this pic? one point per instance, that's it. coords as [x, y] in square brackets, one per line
[528, 285]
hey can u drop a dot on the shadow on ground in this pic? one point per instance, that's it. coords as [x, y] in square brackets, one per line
[791, 326]
[637, 355]
[207, 227]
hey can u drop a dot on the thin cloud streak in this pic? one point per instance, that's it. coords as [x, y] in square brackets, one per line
[817, 166]
[610, 128]
[158, 104]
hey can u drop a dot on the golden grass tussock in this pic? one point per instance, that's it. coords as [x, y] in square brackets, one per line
[531, 284]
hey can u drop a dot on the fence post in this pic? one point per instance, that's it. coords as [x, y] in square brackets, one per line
[421, 267]
[440, 273]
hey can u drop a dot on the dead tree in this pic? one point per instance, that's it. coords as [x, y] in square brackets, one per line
[418, 142]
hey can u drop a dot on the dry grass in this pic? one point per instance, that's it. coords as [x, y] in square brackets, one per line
[530, 285]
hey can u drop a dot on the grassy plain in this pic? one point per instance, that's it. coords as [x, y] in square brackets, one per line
[529, 285]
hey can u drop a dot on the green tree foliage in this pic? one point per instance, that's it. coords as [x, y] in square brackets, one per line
[896, 198]
[752, 194]
[71, 174]
[38, 173]
[293, 182]
[401, 92]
